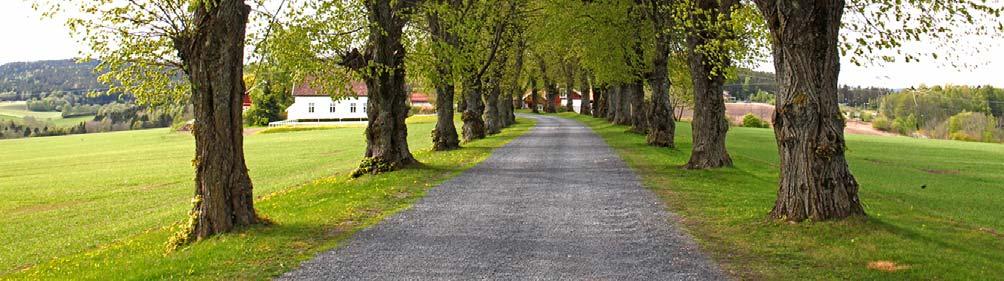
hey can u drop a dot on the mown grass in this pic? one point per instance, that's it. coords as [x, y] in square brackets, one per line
[17, 111]
[953, 229]
[98, 204]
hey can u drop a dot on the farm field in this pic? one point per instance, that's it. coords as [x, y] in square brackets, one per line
[933, 205]
[73, 198]
[16, 111]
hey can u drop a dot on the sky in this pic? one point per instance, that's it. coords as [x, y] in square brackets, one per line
[29, 38]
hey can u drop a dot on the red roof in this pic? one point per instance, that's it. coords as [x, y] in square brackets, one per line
[306, 90]
[419, 97]
[359, 87]
[247, 99]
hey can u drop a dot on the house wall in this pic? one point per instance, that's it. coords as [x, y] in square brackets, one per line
[300, 110]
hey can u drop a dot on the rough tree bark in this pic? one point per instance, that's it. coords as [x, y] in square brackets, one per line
[662, 127]
[474, 107]
[213, 56]
[614, 107]
[492, 114]
[386, 133]
[815, 181]
[639, 116]
[444, 136]
[709, 125]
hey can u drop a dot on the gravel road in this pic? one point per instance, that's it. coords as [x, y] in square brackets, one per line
[554, 204]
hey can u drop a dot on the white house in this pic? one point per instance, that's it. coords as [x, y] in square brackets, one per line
[311, 105]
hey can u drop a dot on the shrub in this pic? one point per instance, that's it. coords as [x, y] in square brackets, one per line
[972, 126]
[750, 120]
[882, 124]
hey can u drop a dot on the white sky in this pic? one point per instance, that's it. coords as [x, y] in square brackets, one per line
[27, 37]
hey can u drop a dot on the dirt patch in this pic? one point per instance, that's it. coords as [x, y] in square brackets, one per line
[886, 266]
[992, 232]
[340, 229]
[736, 111]
[862, 128]
[941, 172]
[876, 161]
[253, 130]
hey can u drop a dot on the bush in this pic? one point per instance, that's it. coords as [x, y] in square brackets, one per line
[750, 120]
[905, 126]
[972, 126]
[257, 117]
[882, 124]
[866, 116]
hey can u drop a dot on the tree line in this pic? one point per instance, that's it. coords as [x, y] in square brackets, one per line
[481, 55]
[945, 112]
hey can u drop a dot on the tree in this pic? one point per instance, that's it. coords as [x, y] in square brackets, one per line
[444, 136]
[143, 47]
[382, 67]
[708, 62]
[815, 181]
[662, 126]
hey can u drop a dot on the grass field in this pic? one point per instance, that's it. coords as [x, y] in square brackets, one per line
[100, 203]
[951, 230]
[17, 111]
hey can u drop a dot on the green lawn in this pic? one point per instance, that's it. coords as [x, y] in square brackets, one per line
[100, 204]
[952, 229]
[17, 111]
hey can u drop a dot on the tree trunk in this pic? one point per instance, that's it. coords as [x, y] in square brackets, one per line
[710, 125]
[534, 95]
[387, 108]
[492, 115]
[444, 136]
[614, 107]
[601, 99]
[662, 126]
[213, 56]
[639, 119]
[815, 181]
[551, 90]
[585, 107]
[474, 125]
[569, 87]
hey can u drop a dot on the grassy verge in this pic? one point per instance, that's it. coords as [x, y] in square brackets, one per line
[309, 218]
[952, 229]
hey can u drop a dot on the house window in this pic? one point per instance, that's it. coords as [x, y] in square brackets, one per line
[331, 108]
[310, 107]
[352, 107]
[364, 107]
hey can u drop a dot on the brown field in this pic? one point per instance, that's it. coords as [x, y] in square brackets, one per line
[736, 111]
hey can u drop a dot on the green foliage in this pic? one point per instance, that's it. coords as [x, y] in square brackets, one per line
[29, 78]
[882, 124]
[926, 109]
[762, 97]
[876, 30]
[750, 120]
[971, 126]
[268, 102]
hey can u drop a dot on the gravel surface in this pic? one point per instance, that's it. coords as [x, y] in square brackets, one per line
[554, 204]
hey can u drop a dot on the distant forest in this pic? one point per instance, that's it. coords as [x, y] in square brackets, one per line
[49, 76]
[68, 87]
[749, 83]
